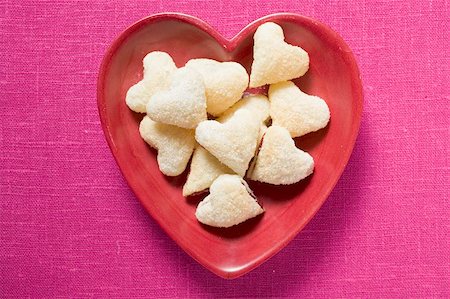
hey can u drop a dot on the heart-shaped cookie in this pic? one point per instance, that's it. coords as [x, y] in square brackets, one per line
[232, 143]
[174, 145]
[258, 104]
[274, 60]
[334, 77]
[205, 168]
[225, 82]
[183, 104]
[279, 161]
[298, 112]
[158, 70]
[230, 202]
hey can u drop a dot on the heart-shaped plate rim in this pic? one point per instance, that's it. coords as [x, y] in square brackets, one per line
[325, 33]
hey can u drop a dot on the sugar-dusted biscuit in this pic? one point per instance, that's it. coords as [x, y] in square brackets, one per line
[230, 202]
[204, 169]
[183, 104]
[158, 70]
[279, 161]
[233, 143]
[225, 82]
[295, 110]
[274, 60]
[175, 145]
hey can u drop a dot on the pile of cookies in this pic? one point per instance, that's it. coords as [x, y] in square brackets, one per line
[200, 110]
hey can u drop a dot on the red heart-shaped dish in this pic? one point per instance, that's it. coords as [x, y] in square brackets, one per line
[333, 75]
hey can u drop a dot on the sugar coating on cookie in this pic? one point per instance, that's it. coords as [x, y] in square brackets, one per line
[158, 70]
[175, 145]
[229, 203]
[274, 60]
[225, 82]
[298, 112]
[233, 143]
[279, 161]
[258, 104]
[183, 104]
[204, 169]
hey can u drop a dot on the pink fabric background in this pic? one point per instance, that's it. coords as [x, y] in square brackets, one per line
[71, 227]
